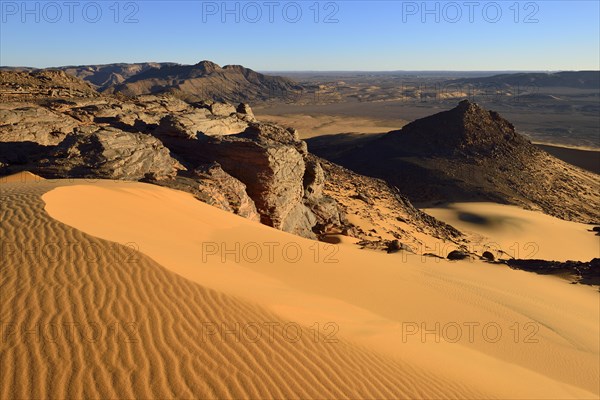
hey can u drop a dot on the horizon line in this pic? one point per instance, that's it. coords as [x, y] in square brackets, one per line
[320, 70]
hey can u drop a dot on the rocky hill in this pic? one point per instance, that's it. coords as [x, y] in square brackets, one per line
[202, 81]
[207, 80]
[219, 153]
[472, 154]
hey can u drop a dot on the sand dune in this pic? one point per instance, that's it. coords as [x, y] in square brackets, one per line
[87, 318]
[162, 267]
[21, 177]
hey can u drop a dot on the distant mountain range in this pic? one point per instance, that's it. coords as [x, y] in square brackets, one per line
[105, 76]
[203, 81]
[207, 80]
[234, 83]
[570, 79]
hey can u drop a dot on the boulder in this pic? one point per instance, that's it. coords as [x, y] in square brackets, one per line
[225, 186]
[177, 126]
[245, 109]
[314, 179]
[188, 125]
[273, 174]
[457, 255]
[222, 109]
[395, 246]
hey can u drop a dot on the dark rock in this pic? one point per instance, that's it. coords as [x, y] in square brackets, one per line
[188, 125]
[457, 255]
[34, 124]
[468, 154]
[244, 108]
[284, 184]
[314, 179]
[395, 246]
[488, 255]
[273, 174]
[177, 126]
[228, 188]
[363, 197]
[585, 272]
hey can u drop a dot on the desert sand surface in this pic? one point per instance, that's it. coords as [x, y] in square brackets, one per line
[162, 267]
[583, 157]
[309, 126]
[520, 233]
[21, 177]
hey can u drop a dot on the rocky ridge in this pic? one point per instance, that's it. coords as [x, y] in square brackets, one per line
[206, 80]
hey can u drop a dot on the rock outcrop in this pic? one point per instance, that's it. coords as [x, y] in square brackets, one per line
[274, 165]
[200, 121]
[211, 185]
[38, 84]
[379, 212]
[109, 153]
[215, 151]
[34, 124]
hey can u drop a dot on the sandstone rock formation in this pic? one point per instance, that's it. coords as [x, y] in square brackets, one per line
[272, 162]
[109, 153]
[216, 151]
[188, 125]
[19, 123]
[211, 185]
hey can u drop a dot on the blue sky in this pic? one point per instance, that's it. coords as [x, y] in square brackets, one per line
[288, 35]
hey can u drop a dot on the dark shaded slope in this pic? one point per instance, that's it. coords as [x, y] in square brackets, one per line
[472, 154]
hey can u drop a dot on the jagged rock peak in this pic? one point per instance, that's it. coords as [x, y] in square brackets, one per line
[466, 129]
